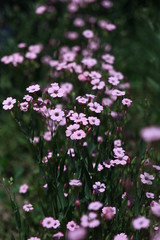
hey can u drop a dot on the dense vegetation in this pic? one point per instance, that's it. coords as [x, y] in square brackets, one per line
[135, 45]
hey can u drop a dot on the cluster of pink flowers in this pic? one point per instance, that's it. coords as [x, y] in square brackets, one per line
[50, 222]
[18, 58]
[81, 131]
[15, 59]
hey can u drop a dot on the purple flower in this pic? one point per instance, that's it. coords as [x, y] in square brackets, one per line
[95, 206]
[150, 134]
[75, 182]
[146, 178]
[121, 236]
[33, 88]
[99, 187]
[58, 235]
[78, 234]
[23, 188]
[90, 220]
[141, 222]
[71, 226]
[28, 207]
[8, 104]
[50, 222]
[155, 208]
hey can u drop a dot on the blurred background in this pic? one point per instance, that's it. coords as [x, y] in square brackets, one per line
[135, 44]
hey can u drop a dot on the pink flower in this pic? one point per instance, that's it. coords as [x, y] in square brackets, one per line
[50, 222]
[97, 84]
[155, 208]
[95, 206]
[100, 167]
[110, 26]
[22, 45]
[23, 188]
[121, 236]
[82, 77]
[79, 118]
[150, 195]
[146, 178]
[77, 234]
[141, 222]
[71, 129]
[8, 104]
[56, 224]
[67, 87]
[33, 88]
[100, 139]
[90, 220]
[56, 114]
[113, 80]
[88, 33]
[95, 107]
[107, 102]
[78, 135]
[89, 62]
[107, 4]
[71, 35]
[106, 66]
[99, 187]
[45, 186]
[75, 182]
[108, 58]
[90, 97]
[15, 58]
[118, 152]
[117, 143]
[55, 91]
[108, 163]
[34, 140]
[66, 194]
[47, 136]
[72, 7]
[28, 207]
[126, 101]
[121, 161]
[95, 75]
[117, 92]
[69, 57]
[82, 100]
[28, 98]
[31, 55]
[71, 226]
[150, 134]
[156, 167]
[24, 106]
[58, 235]
[41, 9]
[37, 48]
[108, 212]
[124, 85]
[79, 22]
[157, 235]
